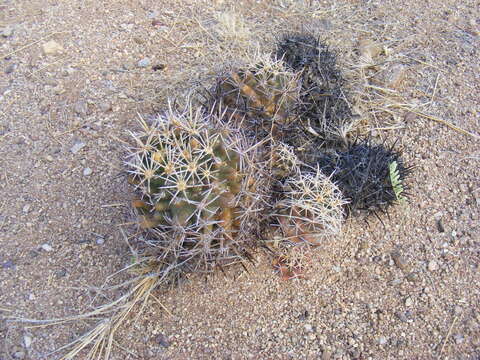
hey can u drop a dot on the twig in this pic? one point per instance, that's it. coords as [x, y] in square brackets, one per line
[112, 205]
[448, 335]
[434, 89]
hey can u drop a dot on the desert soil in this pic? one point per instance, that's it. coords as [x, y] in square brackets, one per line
[405, 289]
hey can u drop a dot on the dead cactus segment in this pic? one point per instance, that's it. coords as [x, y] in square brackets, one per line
[324, 107]
[371, 176]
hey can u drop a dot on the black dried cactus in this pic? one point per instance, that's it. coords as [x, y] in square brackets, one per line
[370, 176]
[324, 108]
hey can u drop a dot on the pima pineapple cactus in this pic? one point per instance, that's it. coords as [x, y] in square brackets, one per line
[310, 208]
[264, 95]
[198, 186]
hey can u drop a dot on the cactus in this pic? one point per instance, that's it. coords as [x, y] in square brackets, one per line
[371, 177]
[264, 95]
[310, 209]
[199, 192]
[324, 107]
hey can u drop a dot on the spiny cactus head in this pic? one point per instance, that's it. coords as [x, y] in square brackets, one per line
[198, 193]
[311, 208]
[291, 260]
[264, 93]
[284, 160]
[371, 176]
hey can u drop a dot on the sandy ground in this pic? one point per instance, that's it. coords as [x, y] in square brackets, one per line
[407, 290]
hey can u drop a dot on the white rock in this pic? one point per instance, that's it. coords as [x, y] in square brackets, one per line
[77, 147]
[47, 248]
[143, 63]
[52, 48]
[432, 265]
[7, 31]
[382, 340]
[87, 171]
[27, 340]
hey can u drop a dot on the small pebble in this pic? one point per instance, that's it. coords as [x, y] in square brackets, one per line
[458, 339]
[152, 14]
[308, 328]
[47, 248]
[162, 340]
[399, 260]
[59, 89]
[382, 340]
[413, 277]
[100, 241]
[61, 273]
[26, 208]
[7, 31]
[401, 316]
[8, 264]
[49, 158]
[440, 226]
[432, 265]
[10, 68]
[408, 302]
[81, 108]
[159, 67]
[396, 282]
[105, 106]
[19, 355]
[52, 48]
[326, 355]
[87, 171]
[27, 340]
[77, 147]
[143, 63]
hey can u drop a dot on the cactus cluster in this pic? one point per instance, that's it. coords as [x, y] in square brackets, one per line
[198, 188]
[270, 147]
